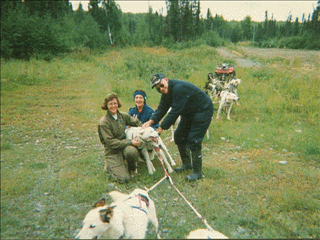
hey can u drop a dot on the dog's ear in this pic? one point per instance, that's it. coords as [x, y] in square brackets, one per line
[100, 203]
[106, 214]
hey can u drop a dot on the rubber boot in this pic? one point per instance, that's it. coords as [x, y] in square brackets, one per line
[197, 166]
[185, 158]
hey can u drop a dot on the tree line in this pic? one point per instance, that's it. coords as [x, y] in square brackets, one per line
[48, 28]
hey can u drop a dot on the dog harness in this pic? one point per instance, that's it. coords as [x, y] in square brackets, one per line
[142, 198]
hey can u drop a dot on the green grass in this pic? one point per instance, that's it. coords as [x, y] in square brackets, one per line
[52, 160]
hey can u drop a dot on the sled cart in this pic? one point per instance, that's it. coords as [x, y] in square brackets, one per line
[225, 72]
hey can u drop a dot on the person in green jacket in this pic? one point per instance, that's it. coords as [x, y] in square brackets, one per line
[121, 154]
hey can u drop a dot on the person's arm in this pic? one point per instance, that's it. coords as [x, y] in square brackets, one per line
[131, 121]
[161, 110]
[108, 139]
[179, 104]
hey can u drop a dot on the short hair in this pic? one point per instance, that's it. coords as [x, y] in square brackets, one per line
[109, 98]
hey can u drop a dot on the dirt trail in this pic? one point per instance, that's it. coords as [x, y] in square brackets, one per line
[243, 61]
[240, 60]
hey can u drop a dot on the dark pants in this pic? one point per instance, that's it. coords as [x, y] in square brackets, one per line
[192, 129]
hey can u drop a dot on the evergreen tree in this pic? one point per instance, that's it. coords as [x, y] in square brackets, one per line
[186, 30]
[55, 8]
[266, 25]
[288, 27]
[296, 28]
[99, 14]
[236, 34]
[173, 19]
[315, 20]
[209, 20]
[246, 28]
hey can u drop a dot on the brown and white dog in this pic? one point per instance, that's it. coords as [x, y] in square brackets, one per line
[127, 217]
[206, 234]
[150, 139]
[226, 101]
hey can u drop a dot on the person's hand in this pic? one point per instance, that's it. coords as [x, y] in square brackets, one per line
[147, 124]
[159, 130]
[136, 143]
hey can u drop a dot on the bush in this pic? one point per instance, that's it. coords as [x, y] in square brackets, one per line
[292, 43]
[213, 39]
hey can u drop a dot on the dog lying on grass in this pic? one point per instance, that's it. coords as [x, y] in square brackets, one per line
[226, 101]
[206, 234]
[127, 217]
[150, 139]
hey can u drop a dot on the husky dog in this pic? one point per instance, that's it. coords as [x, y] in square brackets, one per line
[226, 101]
[150, 139]
[232, 85]
[127, 217]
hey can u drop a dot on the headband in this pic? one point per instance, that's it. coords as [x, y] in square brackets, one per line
[140, 93]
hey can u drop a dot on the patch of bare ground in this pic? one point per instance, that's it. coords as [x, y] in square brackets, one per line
[276, 52]
[309, 58]
[301, 60]
[241, 61]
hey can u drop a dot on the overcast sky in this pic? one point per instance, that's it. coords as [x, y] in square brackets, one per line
[230, 10]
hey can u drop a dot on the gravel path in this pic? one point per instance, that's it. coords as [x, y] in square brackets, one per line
[267, 53]
[240, 60]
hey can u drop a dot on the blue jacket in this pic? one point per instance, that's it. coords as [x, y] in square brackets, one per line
[185, 99]
[144, 116]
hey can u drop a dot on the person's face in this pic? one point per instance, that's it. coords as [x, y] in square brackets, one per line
[139, 100]
[162, 87]
[113, 106]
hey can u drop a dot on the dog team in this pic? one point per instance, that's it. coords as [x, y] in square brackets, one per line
[135, 136]
[223, 86]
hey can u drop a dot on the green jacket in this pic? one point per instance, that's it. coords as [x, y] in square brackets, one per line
[112, 133]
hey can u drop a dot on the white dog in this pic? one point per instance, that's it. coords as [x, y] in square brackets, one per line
[232, 85]
[206, 234]
[150, 139]
[127, 217]
[226, 101]
[173, 127]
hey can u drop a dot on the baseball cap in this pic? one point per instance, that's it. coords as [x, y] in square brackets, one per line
[156, 78]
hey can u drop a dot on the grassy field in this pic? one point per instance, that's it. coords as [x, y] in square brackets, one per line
[261, 168]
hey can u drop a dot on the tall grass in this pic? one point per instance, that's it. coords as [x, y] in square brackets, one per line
[52, 160]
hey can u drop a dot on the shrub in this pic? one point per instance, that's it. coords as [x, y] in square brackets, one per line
[213, 39]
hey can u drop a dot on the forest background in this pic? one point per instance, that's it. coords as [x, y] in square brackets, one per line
[46, 29]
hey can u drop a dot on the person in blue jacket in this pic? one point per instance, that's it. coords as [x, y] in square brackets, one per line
[142, 111]
[196, 111]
